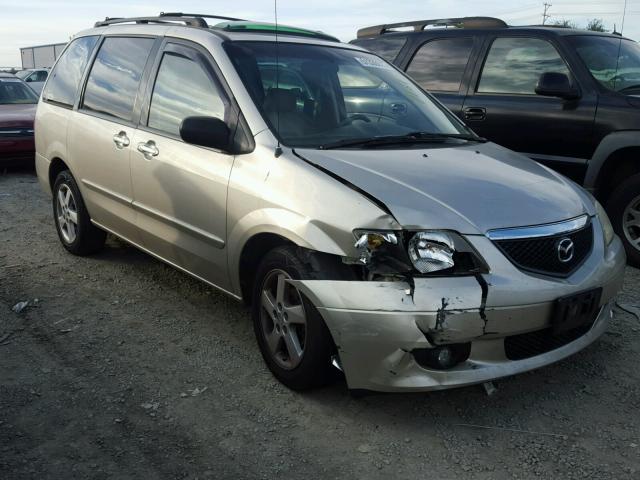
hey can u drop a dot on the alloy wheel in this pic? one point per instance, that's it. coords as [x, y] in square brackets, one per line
[283, 320]
[631, 222]
[67, 214]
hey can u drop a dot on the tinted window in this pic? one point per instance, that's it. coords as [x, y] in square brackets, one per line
[113, 83]
[439, 65]
[514, 65]
[387, 47]
[182, 89]
[62, 87]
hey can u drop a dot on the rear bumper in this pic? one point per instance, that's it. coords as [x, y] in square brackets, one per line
[377, 325]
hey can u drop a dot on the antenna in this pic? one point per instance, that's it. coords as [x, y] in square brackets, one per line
[624, 14]
[545, 15]
[278, 151]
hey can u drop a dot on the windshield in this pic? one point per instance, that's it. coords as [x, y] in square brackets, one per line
[14, 91]
[614, 62]
[313, 95]
[23, 74]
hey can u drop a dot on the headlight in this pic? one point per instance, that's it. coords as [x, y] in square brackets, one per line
[431, 251]
[409, 253]
[607, 228]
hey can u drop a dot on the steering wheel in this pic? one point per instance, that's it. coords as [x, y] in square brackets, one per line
[353, 118]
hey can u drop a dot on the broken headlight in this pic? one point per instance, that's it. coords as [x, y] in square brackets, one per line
[414, 253]
[431, 251]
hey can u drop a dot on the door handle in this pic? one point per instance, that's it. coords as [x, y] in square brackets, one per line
[121, 140]
[475, 113]
[148, 149]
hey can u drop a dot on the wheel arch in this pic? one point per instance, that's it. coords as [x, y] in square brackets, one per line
[617, 157]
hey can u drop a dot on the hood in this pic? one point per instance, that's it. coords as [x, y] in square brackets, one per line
[17, 115]
[470, 189]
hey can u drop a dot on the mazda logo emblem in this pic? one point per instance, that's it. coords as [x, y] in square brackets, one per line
[565, 250]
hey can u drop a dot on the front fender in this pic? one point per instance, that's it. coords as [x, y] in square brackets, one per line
[296, 228]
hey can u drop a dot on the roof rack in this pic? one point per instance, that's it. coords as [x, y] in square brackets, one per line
[189, 21]
[199, 15]
[418, 26]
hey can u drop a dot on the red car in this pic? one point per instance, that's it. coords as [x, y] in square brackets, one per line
[17, 113]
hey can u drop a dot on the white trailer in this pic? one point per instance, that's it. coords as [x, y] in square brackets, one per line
[41, 56]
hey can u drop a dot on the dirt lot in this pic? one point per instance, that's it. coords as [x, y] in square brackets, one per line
[122, 367]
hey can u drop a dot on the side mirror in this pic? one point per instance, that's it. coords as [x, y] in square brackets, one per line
[205, 131]
[554, 84]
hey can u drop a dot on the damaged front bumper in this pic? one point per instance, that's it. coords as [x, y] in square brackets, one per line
[378, 326]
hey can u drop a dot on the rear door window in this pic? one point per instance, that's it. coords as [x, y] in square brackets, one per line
[514, 65]
[439, 65]
[183, 88]
[112, 86]
[63, 85]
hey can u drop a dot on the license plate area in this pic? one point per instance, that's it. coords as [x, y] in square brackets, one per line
[576, 310]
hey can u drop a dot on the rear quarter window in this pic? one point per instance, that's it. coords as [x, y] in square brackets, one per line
[64, 80]
[387, 47]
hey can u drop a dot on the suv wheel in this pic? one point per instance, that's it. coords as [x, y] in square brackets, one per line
[75, 230]
[293, 339]
[624, 209]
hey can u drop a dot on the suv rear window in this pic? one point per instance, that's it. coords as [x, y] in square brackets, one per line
[113, 83]
[64, 80]
[440, 64]
[387, 47]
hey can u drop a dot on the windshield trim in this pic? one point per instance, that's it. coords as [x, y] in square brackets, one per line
[340, 46]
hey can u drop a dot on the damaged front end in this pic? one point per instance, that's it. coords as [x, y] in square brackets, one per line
[426, 313]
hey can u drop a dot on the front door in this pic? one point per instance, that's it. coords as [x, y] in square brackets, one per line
[502, 105]
[180, 190]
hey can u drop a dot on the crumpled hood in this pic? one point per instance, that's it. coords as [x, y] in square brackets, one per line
[470, 189]
[17, 115]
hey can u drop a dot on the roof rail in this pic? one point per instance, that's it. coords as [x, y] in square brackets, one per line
[418, 26]
[198, 15]
[189, 21]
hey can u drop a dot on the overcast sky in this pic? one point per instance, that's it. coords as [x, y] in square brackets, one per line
[26, 23]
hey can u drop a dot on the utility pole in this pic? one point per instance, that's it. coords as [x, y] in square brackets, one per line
[545, 15]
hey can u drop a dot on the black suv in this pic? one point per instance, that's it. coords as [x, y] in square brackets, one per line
[569, 99]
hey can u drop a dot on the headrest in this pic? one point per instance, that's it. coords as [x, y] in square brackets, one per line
[280, 100]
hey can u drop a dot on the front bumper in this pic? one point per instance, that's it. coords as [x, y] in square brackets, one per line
[376, 325]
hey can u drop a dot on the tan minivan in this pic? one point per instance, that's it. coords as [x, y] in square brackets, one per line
[371, 231]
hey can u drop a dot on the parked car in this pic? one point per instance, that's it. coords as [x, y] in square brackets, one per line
[35, 77]
[17, 113]
[391, 243]
[567, 98]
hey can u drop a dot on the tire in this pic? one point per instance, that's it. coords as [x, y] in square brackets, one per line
[73, 224]
[622, 203]
[313, 368]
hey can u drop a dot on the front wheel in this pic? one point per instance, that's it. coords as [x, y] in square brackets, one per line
[75, 230]
[624, 210]
[293, 339]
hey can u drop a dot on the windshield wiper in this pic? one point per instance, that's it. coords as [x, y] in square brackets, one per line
[413, 137]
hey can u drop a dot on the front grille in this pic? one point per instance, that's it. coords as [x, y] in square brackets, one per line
[527, 345]
[540, 255]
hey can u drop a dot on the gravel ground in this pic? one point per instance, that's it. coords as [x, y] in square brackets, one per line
[122, 367]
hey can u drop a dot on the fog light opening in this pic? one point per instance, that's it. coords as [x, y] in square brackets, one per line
[443, 357]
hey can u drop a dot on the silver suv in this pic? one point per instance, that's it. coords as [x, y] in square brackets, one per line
[371, 231]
